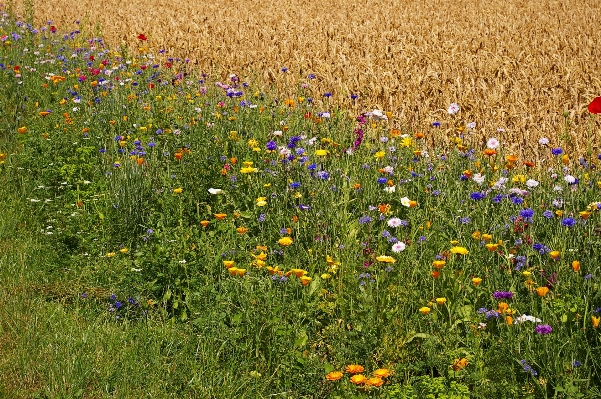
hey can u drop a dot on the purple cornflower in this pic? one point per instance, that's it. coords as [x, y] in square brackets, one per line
[271, 145]
[543, 329]
[548, 214]
[502, 295]
[365, 219]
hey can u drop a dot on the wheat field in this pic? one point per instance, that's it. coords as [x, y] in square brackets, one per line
[518, 65]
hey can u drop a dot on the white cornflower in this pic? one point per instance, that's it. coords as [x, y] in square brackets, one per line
[492, 143]
[543, 141]
[398, 247]
[405, 202]
[453, 109]
[531, 183]
[479, 178]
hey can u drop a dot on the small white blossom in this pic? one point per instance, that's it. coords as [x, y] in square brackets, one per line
[543, 141]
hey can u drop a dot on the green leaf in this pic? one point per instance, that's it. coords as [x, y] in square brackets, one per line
[301, 340]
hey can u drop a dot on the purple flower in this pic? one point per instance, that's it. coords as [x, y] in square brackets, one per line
[271, 145]
[543, 329]
[502, 295]
[365, 219]
[548, 214]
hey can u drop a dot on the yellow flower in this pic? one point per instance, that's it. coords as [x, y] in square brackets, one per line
[476, 280]
[321, 153]
[441, 301]
[334, 376]
[260, 256]
[526, 273]
[459, 250]
[178, 190]
[220, 216]
[386, 259]
[325, 276]
[358, 379]
[285, 241]
[424, 310]
[439, 264]
[110, 254]
[595, 320]
[492, 247]
[204, 223]
[519, 179]
[241, 230]
[406, 142]
[298, 272]
[22, 129]
[124, 250]
[354, 368]
[305, 280]
[382, 373]
[379, 154]
[247, 170]
[240, 272]
[486, 237]
[554, 254]
[261, 201]
[228, 263]
[542, 291]
[476, 235]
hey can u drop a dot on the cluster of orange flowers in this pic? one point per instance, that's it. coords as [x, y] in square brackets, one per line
[358, 378]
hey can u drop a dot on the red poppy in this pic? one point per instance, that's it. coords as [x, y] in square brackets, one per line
[595, 106]
[142, 37]
[53, 29]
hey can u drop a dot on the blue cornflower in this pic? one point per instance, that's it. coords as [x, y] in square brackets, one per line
[476, 196]
[527, 213]
[517, 200]
[556, 151]
[568, 222]
[382, 180]
[435, 124]
[322, 174]
[312, 166]
[464, 220]
[294, 185]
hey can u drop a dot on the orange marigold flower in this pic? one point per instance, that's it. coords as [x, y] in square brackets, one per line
[204, 223]
[220, 216]
[374, 382]
[241, 230]
[334, 376]
[358, 379]
[354, 368]
[489, 152]
[576, 265]
[382, 373]
[542, 291]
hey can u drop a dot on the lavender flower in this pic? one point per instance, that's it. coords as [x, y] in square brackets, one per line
[543, 329]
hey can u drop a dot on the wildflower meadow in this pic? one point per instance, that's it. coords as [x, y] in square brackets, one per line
[172, 232]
